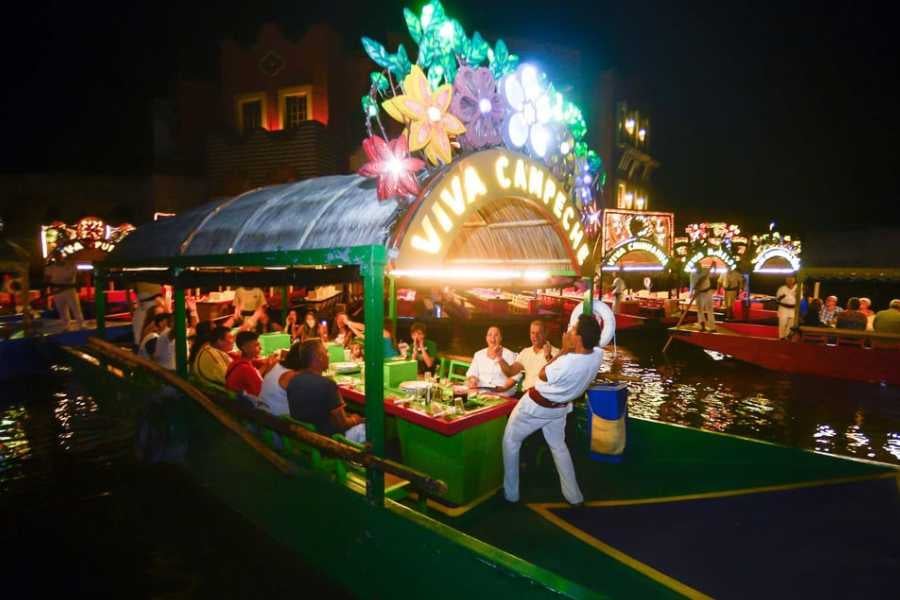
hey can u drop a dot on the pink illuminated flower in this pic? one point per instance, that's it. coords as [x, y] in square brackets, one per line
[390, 163]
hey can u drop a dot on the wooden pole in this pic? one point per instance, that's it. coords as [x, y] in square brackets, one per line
[680, 320]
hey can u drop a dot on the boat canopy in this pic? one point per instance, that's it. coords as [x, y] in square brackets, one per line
[859, 254]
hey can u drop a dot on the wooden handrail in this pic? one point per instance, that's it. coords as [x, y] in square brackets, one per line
[331, 447]
[849, 333]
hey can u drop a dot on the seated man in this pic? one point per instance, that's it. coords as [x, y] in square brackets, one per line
[242, 374]
[485, 371]
[315, 399]
[532, 359]
[212, 359]
[830, 311]
[852, 318]
[888, 320]
[546, 406]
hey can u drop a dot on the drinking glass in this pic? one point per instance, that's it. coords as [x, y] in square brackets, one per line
[460, 405]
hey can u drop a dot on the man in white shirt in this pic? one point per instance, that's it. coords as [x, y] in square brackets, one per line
[734, 281]
[703, 295]
[61, 276]
[485, 371]
[546, 406]
[532, 359]
[787, 301]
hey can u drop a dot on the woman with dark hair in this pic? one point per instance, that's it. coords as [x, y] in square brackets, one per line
[273, 396]
[309, 328]
[202, 335]
[213, 357]
[811, 318]
[341, 333]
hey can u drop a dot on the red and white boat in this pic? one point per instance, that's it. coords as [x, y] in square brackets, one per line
[839, 353]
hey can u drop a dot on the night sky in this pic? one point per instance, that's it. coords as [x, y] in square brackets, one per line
[785, 113]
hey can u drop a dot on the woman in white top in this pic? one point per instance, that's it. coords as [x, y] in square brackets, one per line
[273, 395]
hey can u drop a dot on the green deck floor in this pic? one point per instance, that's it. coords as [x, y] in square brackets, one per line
[661, 461]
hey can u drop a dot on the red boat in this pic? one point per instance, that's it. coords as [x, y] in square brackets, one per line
[840, 353]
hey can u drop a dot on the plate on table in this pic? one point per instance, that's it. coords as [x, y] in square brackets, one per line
[345, 367]
[411, 387]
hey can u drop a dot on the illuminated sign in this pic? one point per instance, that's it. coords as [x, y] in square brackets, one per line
[59, 241]
[621, 226]
[477, 180]
[722, 255]
[613, 258]
[777, 252]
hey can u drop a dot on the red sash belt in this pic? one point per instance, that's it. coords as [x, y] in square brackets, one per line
[541, 401]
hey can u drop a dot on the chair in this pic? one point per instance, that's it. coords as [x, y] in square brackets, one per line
[456, 371]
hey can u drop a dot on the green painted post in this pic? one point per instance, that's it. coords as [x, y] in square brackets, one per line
[180, 333]
[589, 296]
[392, 306]
[285, 304]
[100, 301]
[373, 298]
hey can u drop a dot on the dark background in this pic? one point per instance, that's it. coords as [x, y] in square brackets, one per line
[783, 112]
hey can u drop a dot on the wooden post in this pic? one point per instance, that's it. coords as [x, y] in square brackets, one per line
[180, 332]
[392, 306]
[373, 297]
[100, 301]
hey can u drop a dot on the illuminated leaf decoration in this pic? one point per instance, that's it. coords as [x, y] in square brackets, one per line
[501, 61]
[391, 165]
[477, 51]
[413, 24]
[398, 63]
[379, 81]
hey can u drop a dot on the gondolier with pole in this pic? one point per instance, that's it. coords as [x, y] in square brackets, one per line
[703, 294]
[787, 304]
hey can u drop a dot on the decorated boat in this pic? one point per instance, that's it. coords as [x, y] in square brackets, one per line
[415, 511]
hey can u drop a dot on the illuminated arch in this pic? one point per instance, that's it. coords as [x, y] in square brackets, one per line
[777, 259]
[717, 254]
[493, 209]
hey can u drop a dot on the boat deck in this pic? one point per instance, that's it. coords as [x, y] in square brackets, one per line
[693, 513]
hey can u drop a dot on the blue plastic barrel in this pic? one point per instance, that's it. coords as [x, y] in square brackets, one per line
[607, 421]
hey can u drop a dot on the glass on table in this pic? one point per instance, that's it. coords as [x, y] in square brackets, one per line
[459, 405]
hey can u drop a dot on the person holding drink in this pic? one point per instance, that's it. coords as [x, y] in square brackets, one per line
[485, 371]
[532, 359]
[424, 351]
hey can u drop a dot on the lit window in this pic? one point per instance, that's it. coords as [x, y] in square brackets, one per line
[642, 134]
[295, 110]
[629, 125]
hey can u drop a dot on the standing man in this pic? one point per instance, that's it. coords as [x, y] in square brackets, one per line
[531, 359]
[786, 296]
[703, 294]
[148, 295]
[618, 292]
[248, 300]
[60, 276]
[546, 406]
[734, 282]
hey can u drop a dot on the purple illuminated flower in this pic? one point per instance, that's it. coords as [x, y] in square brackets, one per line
[478, 105]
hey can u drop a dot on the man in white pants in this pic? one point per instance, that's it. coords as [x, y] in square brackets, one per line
[703, 295]
[787, 302]
[549, 402]
[61, 277]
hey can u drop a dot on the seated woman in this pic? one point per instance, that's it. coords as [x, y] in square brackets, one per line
[211, 360]
[273, 395]
[309, 328]
[852, 318]
[811, 318]
[390, 349]
[424, 351]
[315, 399]
[485, 371]
[291, 327]
[341, 333]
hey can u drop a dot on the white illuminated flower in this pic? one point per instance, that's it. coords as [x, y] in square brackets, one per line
[532, 110]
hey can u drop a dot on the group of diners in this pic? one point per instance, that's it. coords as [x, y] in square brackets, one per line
[816, 312]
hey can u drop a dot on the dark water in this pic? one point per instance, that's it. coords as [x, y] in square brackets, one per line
[78, 515]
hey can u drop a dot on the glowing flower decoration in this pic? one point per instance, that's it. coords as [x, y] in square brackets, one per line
[479, 106]
[590, 218]
[425, 111]
[531, 111]
[584, 181]
[391, 164]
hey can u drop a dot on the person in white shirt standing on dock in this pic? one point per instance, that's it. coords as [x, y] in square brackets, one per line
[787, 302]
[703, 295]
[618, 293]
[546, 406]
